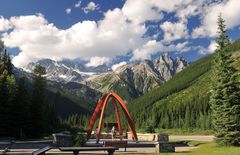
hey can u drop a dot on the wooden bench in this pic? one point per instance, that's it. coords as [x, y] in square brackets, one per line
[41, 151]
[118, 144]
[76, 150]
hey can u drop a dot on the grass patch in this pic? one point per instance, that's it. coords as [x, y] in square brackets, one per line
[194, 143]
[207, 149]
[214, 149]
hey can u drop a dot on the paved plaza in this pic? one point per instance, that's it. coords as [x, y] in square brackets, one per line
[28, 147]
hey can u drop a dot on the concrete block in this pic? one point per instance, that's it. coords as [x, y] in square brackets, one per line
[164, 147]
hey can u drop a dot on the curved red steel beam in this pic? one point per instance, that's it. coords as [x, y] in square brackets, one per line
[101, 116]
[103, 104]
[118, 119]
[94, 116]
[127, 114]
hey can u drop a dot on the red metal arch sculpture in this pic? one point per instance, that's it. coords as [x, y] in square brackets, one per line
[103, 104]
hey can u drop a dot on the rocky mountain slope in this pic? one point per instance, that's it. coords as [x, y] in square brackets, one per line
[129, 81]
[66, 70]
[134, 80]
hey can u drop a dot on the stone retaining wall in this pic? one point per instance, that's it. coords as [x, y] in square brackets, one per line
[150, 137]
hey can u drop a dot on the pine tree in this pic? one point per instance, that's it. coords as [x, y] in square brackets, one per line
[7, 93]
[53, 119]
[9, 65]
[225, 98]
[55, 104]
[4, 105]
[22, 104]
[187, 121]
[5, 60]
[222, 39]
[38, 105]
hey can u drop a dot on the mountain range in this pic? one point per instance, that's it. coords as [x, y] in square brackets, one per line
[134, 80]
[129, 81]
[66, 70]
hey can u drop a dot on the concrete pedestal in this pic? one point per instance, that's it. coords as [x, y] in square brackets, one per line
[62, 140]
[164, 147]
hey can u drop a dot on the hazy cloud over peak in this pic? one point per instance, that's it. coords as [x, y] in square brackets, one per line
[97, 61]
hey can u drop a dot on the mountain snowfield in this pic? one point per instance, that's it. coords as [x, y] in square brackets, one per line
[64, 71]
[129, 80]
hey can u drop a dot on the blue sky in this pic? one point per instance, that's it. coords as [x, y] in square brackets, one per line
[102, 31]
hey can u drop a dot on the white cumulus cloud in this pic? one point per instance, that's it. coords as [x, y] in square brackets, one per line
[192, 8]
[174, 31]
[4, 24]
[120, 31]
[91, 6]
[78, 4]
[153, 46]
[212, 47]
[229, 10]
[38, 39]
[143, 10]
[68, 10]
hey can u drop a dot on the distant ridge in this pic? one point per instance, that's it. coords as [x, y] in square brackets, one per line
[133, 80]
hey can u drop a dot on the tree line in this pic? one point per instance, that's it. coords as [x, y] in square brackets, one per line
[24, 109]
[192, 113]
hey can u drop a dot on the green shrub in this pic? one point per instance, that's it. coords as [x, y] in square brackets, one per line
[79, 139]
[149, 128]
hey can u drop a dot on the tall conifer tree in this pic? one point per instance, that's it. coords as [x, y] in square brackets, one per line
[38, 106]
[225, 98]
[22, 104]
[7, 93]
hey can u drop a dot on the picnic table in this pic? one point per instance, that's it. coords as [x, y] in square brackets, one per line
[76, 150]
